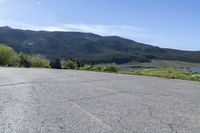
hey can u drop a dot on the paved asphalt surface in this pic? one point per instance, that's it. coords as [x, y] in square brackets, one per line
[67, 101]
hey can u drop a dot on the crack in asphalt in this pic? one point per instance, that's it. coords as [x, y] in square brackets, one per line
[121, 118]
[171, 126]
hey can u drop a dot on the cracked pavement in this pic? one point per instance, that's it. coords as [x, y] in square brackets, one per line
[68, 101]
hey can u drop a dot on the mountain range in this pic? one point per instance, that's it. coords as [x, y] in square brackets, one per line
[89, 47]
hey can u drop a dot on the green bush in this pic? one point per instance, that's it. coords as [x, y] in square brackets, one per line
[96, 68]
[5, 54]
[14, 60]
[110, 68]
[86, 67]
[107, 68]
[24, 60]
[91, 68]
[69, 64]
[38, 61]
[8, 57]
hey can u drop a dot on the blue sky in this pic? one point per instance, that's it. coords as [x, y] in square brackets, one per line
[164, 23]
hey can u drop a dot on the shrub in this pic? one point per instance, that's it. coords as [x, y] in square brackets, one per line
[95, 68]
[14, 60]
[85, 68]
[24, 60]
[110, 68]
[38, 61]
[69, 64]
[5, 54]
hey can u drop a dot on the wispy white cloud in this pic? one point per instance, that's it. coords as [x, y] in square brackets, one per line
[125, 31]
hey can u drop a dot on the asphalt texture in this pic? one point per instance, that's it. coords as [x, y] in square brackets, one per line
[72, 101]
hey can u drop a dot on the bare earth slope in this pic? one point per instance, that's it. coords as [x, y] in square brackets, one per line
[66, 101]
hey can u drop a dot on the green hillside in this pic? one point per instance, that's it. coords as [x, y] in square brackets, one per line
[88, 47]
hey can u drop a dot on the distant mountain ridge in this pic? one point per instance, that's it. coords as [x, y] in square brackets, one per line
[88, 47]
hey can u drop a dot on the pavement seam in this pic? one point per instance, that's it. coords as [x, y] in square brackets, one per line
[91, 116]
[48, 81]
[94, 97]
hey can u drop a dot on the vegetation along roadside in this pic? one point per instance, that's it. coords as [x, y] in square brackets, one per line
[8, 57]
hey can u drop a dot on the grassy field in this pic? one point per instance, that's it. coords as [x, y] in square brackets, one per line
[167, 73]
[161, 64]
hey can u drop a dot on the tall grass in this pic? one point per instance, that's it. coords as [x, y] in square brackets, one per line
[169, 73]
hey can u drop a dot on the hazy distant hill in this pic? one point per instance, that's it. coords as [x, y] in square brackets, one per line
[88, 47]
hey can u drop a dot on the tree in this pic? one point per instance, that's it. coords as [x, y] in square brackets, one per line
[5, 54]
